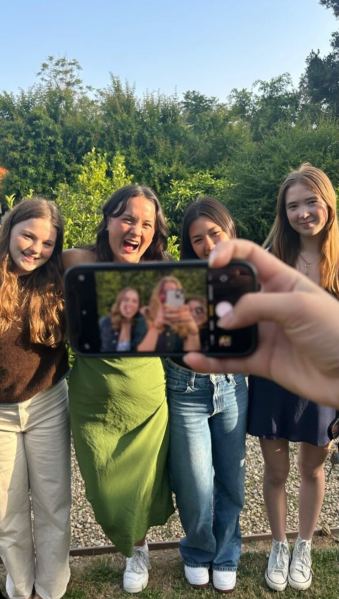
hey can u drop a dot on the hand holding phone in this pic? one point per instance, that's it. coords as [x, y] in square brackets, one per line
[175, 297]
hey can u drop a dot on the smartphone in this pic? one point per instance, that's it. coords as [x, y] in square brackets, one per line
[175, 298]
[120, 309]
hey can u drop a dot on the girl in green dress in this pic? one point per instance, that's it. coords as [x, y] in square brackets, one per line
[118, 405]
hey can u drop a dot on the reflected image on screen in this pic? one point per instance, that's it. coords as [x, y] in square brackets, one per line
[158, 309]
[160, 312]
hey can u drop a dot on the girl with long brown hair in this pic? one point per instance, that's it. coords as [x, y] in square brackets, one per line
[207, 432]
[124, 327]
[305, 234]
[34, 426]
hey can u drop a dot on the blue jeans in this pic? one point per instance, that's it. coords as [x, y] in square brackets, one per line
[207, 455]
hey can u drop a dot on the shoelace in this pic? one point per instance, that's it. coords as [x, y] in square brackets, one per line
[280, 561]
[139, 562]
[302, 560]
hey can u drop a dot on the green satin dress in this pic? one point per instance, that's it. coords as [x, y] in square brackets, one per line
[119, 423]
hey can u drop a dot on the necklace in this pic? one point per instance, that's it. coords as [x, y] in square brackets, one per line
[306, 265]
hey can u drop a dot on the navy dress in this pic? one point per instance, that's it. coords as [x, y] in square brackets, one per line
[275, 413]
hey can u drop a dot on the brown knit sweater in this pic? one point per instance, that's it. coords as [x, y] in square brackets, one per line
[25, 368]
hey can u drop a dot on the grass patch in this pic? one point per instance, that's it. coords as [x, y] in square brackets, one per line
[101, 577]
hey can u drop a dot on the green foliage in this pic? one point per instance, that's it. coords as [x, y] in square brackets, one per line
[110, 283]
[183, 191]
[31, 145]
[81, 202]
[269, 103]
[173, 248]
[321, 80]
[334, 4]
[62, 73]
[258, 170]
[10, 199]
[237, 150]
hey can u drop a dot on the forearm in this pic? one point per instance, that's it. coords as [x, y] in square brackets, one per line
[150, 340]
[192, 342]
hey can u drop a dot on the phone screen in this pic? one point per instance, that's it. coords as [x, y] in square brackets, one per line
[163, 309]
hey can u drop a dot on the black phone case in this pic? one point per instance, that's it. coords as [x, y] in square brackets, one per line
[82, 308]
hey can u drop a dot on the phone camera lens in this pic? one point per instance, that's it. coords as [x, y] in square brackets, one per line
[223, 278]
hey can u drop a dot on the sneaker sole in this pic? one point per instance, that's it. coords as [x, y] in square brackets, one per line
[273, 585]
[205, 585]
[224, 590]
[196, 585]
[299, 586]
[135, 589]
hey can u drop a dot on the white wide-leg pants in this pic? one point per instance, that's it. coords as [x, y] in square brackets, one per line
[35, 457]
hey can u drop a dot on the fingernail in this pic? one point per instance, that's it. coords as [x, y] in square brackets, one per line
[225, 312]
[223, 309]
[211, 257]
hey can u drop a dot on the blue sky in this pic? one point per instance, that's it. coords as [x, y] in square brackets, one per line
[210, 46]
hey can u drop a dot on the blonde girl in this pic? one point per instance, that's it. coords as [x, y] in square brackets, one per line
[305, 235]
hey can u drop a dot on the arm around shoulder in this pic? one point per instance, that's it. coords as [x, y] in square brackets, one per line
[77, 256]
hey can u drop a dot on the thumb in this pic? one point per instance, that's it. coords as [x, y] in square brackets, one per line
[255, 307]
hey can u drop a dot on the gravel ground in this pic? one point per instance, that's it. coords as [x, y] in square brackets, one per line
[85, 531]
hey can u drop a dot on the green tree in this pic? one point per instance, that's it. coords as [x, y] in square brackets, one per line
[334, 4]
[46, 130]
[257, 171]
[183, 191]
[320, 83]
[81, 202]
[269, 103]
[31, 145]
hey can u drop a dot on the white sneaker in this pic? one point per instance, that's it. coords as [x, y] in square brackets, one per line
[224, 580]
[277, 568]
[197, 577]
[300, 573]
[136, 572]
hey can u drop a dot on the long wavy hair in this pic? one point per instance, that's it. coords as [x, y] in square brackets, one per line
[116, 316]
[284, 241]
[114, 207]
[151, 310]
[34, 301]
[212, 209]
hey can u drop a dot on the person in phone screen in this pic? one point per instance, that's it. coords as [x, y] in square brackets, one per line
[35, 463]
[124, 327]
[119, 412]
[207, 434]
[305, 235]
[198, 308]
[171, 327]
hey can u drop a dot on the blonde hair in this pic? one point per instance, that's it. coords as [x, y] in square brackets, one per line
[284, 241]
[116, 316]
[34, 301]
[152, 309]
